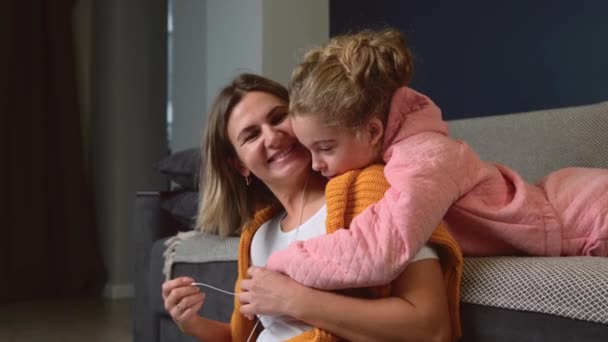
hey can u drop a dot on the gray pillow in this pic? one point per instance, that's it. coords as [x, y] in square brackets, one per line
[182, 168]
[183, 206]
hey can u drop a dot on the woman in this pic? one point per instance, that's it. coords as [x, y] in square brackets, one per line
[255, 161]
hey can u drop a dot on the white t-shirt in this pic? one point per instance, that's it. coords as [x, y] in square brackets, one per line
[270, 238]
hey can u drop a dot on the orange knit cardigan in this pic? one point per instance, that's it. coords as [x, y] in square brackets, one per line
[347, 196]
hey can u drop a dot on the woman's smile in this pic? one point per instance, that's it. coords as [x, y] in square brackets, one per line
[281, 154]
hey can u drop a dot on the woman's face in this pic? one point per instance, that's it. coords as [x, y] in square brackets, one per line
[260, 130]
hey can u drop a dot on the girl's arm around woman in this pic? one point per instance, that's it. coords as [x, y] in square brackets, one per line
[417, 310]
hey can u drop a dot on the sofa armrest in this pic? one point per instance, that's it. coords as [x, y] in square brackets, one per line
[150, 224]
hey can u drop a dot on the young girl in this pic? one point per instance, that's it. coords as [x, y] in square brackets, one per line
[360, 79]
[359, 184]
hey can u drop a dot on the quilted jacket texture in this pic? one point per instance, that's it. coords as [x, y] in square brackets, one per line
[488, 208]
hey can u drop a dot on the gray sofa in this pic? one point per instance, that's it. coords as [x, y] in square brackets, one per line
[503, 298]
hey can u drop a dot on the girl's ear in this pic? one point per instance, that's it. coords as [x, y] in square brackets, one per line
[240, 168]
[375, 129]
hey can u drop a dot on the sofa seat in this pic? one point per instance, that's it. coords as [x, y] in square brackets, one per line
[557, 294]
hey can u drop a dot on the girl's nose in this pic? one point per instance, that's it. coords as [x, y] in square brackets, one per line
[317, 165]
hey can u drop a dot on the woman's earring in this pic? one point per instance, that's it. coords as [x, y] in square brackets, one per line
[248, 180]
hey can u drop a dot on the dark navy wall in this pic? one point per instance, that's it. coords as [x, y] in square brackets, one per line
[477, 58]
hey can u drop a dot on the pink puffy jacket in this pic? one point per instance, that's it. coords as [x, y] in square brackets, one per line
[488, 208]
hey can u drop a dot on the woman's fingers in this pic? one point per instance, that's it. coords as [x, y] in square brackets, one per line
[248, 309]
[175, 290]
[178, 295]
[182, 301]
[265, 292]
[169, 285]
[191, 301]
[188, 307]
[251, 271]
[244, 297]
[186, 319]
[246, 284]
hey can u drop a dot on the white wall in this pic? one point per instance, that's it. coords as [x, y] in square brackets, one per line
[260, 36]
[234, 41]
[188, 79]
[291, 27]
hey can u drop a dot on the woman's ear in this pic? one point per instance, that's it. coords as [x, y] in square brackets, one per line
[375, 129]
[240, 168]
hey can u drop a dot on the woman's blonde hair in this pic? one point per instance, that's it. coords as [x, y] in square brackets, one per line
[352, 78]
[226, 202]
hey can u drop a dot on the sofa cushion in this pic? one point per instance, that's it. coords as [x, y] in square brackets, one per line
[221, 274]
[198, 247]
[182, 205]
[536, 143]
[572, 287]
[182, 167]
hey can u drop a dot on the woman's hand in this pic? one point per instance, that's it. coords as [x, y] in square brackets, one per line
[183, 301]
[267, 292]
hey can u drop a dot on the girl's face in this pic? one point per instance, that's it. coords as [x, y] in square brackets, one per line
[334, 149]
[260, 131]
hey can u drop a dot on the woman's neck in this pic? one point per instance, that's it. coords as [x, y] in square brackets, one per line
[302, 200]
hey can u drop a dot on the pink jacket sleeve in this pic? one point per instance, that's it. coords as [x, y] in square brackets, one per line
[427, 173]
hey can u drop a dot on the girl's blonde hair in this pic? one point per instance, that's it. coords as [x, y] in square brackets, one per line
[226, 202]
[352, 78]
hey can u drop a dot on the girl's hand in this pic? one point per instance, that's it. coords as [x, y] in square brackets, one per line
[183, 301]
[267, 292]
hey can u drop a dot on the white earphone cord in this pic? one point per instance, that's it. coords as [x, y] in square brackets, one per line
[214, 288]
[232, 294]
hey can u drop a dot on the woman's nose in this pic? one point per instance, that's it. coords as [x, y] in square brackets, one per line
[272, 137]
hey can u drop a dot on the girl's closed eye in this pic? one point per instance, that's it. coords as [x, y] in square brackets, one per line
[325, 148]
